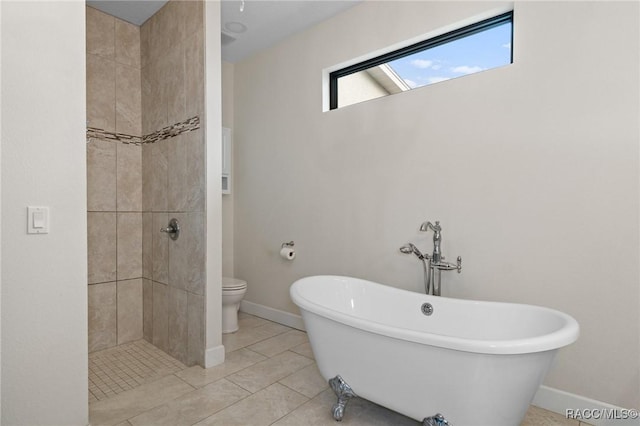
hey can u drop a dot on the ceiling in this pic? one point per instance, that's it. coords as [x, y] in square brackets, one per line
[259, 25]
[134, 11]
[268, 22]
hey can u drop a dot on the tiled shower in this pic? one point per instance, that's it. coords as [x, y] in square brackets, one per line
[145, 165]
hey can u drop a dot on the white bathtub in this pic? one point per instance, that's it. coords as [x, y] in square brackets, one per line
[477, 363]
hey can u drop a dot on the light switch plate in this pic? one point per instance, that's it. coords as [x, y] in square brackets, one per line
[37, 220]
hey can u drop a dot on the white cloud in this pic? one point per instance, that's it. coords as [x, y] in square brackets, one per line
[421, 63]
[436, 67]
[411, 83]
[465, 69]
[507, 45]
[432, 80]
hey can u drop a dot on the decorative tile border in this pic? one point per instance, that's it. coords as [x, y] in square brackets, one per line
[189, 125]
[94, 133]
[170, 131]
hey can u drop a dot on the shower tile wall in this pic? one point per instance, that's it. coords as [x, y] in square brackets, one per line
[173, 173]
[141, 81]
[114, 182]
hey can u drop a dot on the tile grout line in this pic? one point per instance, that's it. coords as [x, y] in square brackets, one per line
[299, 393]
[294, 409]
[115, 112]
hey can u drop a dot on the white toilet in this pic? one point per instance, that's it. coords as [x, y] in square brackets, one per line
[233, 291]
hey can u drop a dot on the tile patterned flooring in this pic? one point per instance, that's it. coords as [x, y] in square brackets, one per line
[116, 370]
[269, 377]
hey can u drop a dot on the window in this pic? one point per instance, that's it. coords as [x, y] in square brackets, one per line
[474, 48]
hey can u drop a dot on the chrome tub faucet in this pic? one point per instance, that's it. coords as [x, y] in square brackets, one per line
[433, 264]
[437, 238]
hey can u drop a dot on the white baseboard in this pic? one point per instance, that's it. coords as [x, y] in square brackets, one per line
[587, 410]
[213, 356]
[275, 315]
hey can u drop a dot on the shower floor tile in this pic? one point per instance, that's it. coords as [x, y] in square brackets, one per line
[125, 367]
[269, 377]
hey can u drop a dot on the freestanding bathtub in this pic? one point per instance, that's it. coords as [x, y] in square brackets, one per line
[476, 363]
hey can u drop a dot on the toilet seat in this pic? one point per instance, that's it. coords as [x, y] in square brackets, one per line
[233, 284]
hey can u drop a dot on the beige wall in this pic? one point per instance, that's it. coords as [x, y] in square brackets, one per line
[227, 199]
[214, 352]
[114, 182]
[44, 277]
[173, 179]
[532, 170]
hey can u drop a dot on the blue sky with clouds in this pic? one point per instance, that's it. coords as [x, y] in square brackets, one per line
[475, 53]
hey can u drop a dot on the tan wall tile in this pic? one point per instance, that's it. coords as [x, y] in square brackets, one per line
[159, 178]
[102, 316]
[160, 250]
[194, 72]
[173, 77]
[128, 100]
[161, 40]
[101, 233]
[101, 175]
[187, 254]
[100, 33]
[154, 39]
[160, 316]
[129, 297]
[127, 43]
[195, 329]
[172, 60]
[154, 97]
[147, 177]
[186, 172]
[177, 324]
[145, 40]
[129, 177]
[172, 43]
[147, 310]
[192, 14]
[166, 29]
[147, 245]
[101, 93]
[129, 245]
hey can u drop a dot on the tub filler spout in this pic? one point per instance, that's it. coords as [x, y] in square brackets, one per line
[432, 264]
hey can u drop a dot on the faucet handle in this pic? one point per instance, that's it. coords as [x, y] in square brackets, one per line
[459, 264]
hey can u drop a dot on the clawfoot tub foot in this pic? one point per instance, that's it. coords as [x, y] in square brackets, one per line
[344, 393]
[437, 420]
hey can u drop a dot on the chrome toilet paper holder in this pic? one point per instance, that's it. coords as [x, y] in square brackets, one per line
[289, 244]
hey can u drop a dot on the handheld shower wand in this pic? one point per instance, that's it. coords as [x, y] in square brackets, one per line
[410, 248]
